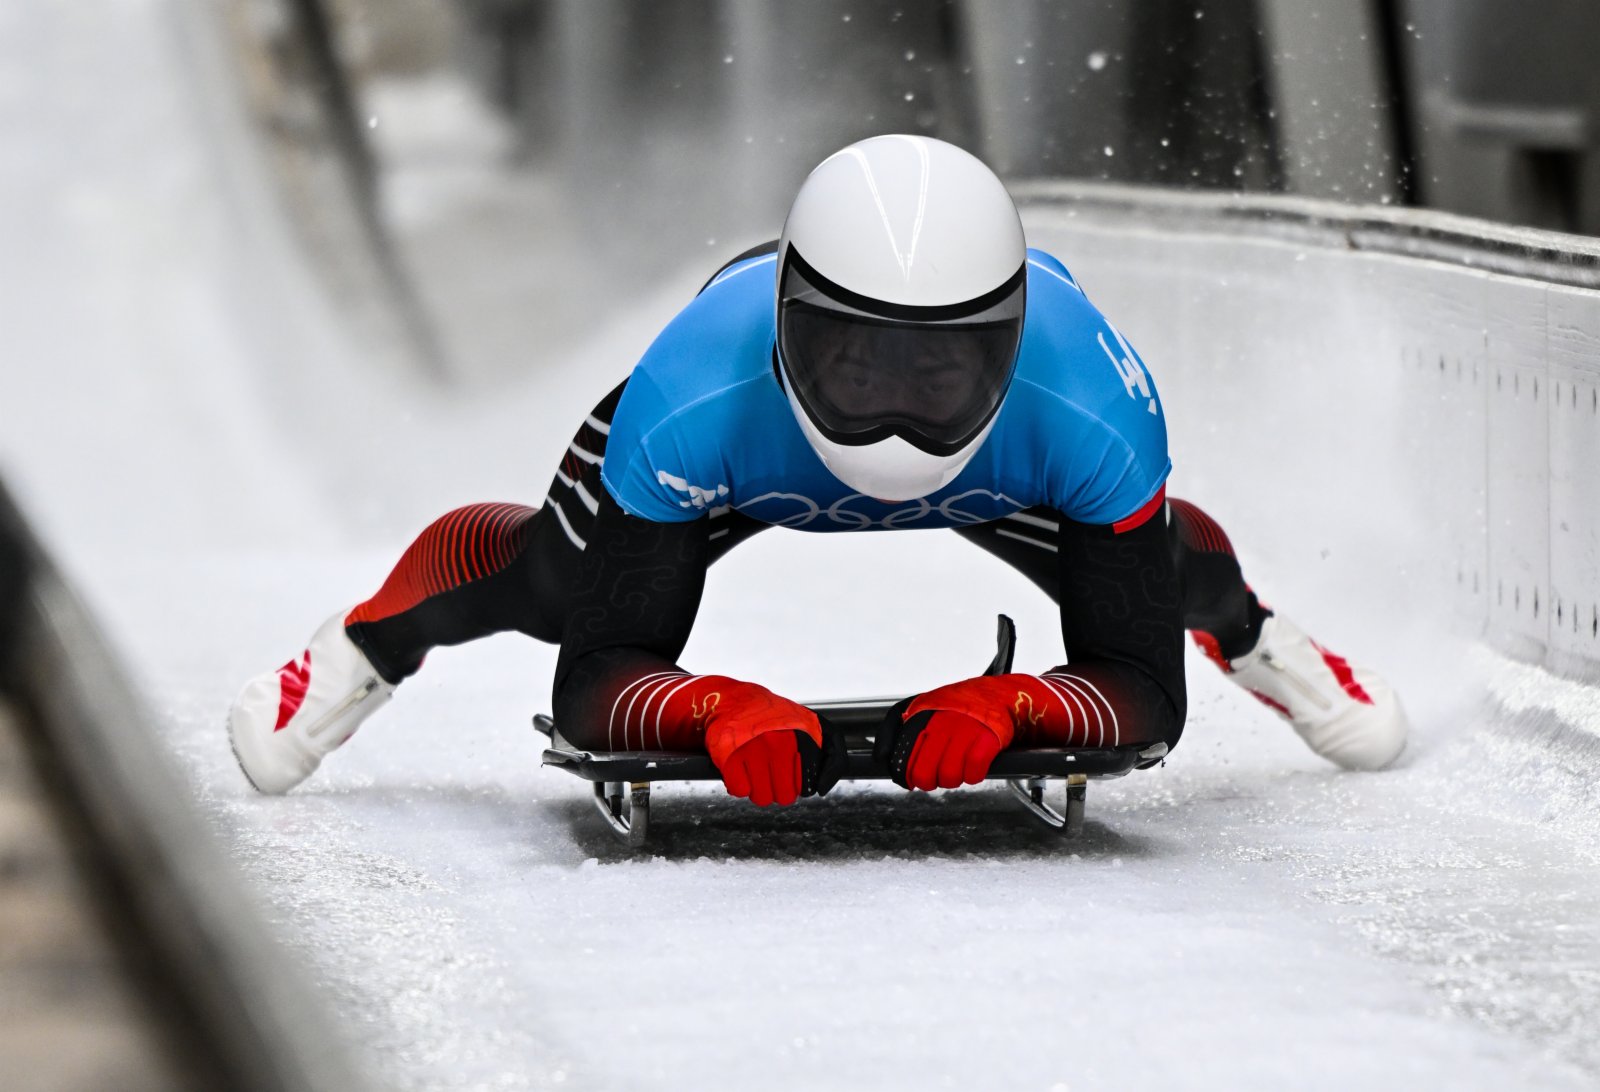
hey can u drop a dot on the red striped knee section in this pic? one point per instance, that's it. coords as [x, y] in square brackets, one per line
[1197, 530]
[467, 544]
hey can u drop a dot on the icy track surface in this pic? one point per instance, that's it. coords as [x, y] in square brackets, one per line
[1244, 917]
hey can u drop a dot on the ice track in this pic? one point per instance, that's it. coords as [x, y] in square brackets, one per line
[1244, 917]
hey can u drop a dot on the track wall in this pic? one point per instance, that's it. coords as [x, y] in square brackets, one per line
[215, 989]
[1412, 397]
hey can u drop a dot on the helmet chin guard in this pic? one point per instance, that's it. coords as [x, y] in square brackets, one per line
[900, 301]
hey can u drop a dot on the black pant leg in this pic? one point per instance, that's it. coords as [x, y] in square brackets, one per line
[497, 568]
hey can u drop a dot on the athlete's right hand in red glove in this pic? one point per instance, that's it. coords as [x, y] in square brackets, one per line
[767, 747]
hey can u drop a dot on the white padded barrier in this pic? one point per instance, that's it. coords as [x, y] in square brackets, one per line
[1405, 401]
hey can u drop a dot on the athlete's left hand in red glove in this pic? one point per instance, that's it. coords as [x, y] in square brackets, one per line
[950, 736]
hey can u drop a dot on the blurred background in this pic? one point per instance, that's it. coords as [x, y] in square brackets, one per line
[529, 164]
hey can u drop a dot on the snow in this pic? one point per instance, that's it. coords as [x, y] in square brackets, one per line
[218, 482]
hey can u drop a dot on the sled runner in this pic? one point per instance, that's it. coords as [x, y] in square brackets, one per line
[622, 779]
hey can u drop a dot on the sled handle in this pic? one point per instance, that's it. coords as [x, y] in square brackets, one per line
[1005, 647]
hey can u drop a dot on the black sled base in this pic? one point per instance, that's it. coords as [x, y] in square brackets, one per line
[622, 779]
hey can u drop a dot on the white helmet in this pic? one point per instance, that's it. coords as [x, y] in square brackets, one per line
[902, 276]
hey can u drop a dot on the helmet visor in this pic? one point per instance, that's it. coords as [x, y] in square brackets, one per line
[934, 376]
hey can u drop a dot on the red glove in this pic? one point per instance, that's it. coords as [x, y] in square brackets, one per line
[768, 748]
[767, 769]
[948, 749]
[950, 736]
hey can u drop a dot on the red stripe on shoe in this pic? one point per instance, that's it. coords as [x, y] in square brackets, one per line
[293, 680]
[1346, 677]
[1213, 650]
[1142, 516]
[1275, 705]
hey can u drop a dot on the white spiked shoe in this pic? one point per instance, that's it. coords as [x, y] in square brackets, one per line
[285, 722]
[1345, 713]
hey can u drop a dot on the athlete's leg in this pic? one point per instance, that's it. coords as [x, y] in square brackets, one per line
[488, 568]
[479, 570]
[476, 571]
[1219, 609]
[1344, 712]
[482, 569]
[496, 568]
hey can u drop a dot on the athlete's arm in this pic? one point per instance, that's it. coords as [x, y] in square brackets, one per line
[1123, 684]
[630, 614]
[1122, 624]
[618, 685]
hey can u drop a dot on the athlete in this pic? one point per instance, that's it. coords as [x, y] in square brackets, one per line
[919, 367]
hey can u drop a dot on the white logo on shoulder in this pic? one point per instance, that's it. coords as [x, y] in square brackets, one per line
[698, 497]
[1132, 373]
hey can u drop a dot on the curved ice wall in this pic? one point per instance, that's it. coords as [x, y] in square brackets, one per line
[1397, 412]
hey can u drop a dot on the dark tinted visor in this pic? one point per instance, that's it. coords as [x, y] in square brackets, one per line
[863, 375]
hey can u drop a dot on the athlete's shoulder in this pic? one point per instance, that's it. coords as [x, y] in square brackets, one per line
[1073, 352]
[1046, 272]
[1084, 393]
[701, 381]
[721, 335]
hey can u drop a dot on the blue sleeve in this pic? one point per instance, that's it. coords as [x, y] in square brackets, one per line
[630, 471]
[1134, 463]
[1107, 454]
[668, 454]
[1124, 480]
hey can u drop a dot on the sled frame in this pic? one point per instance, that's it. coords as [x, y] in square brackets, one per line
[622, 779]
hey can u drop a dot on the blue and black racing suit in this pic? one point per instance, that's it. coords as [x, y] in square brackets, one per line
[698, 449]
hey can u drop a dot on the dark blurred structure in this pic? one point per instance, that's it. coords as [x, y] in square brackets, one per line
[1490, 109]
[670, 135]
[694, 94]
[293, 62]
[693, 120]
[1162, 92]
[722, 107]
[1506, 102]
